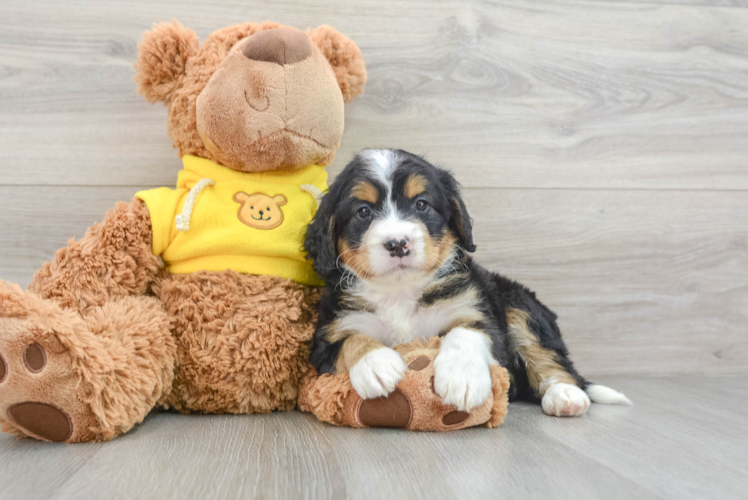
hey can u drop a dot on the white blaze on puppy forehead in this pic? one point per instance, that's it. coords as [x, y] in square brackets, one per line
[381, 164]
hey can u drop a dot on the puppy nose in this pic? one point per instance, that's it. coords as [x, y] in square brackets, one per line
[278, 45]
[397, 247]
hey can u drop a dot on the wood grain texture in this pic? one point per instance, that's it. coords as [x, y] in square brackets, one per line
[683, 439]
[560, 94]
[643, 282]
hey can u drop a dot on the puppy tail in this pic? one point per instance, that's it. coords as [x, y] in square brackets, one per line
[606, 395]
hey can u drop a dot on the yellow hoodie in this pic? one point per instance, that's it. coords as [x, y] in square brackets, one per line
[218, 219]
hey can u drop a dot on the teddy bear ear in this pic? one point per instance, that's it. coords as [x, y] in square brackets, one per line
[344, 57]
[240, 197]
[162, 60]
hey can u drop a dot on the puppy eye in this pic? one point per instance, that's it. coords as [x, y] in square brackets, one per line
[363, 212]
[422, 205]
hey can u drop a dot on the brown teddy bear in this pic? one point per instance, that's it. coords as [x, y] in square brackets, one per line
[197, 298]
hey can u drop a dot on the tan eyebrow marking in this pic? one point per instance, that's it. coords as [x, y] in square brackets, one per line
[365, 191]
[415, 185]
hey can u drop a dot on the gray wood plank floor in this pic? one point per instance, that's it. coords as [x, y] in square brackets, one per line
[685, 438]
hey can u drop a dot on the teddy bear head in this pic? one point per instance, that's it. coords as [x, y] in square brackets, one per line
[253, 97]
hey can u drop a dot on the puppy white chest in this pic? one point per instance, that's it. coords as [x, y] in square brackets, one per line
[398, 318]
[396, 315]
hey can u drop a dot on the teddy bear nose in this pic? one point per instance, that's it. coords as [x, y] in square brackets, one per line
[278, 45]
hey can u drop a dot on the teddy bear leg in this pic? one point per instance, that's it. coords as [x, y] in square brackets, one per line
[84, 354]
[68, 377]
[242, 340]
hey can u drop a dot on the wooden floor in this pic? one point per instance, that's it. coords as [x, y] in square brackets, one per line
[603, 146]
[685, 438]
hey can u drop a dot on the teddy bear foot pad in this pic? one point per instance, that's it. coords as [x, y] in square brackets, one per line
[35, 387]
[395, 410]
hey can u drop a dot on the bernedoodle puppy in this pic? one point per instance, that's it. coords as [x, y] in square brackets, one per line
[392, 240]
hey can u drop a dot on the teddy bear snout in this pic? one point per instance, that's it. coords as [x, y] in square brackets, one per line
[280, 45]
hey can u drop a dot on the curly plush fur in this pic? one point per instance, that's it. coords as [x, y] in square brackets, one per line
[107, 367]
[162, 60]
[178, 85]
[259, 329]
[104, 334]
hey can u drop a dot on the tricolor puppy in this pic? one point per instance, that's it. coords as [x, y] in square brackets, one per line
[392, 240]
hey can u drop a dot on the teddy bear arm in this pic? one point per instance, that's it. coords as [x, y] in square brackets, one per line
[114, 259]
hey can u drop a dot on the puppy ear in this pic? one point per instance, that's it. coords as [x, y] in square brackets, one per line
[321, 236]
[162, 60]
[345, 58]
[459, 219]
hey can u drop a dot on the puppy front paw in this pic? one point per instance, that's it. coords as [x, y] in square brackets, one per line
[461, 380]
[565, 400]
[377, 373]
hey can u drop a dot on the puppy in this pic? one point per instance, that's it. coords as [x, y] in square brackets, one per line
[392, 240]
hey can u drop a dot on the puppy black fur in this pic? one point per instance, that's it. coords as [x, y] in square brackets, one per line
[339, 222]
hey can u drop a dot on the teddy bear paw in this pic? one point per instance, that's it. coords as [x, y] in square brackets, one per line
[415, 404]
[39, 389]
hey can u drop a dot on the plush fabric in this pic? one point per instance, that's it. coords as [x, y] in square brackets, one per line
[106, 368]
[345, 58]
[242, 340]
[113, 260]
[178, 86]
[226, 229]
[414, 406]
[106, 333]
[294, 116]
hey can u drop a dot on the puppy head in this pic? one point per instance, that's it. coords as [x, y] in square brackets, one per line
[390, 213]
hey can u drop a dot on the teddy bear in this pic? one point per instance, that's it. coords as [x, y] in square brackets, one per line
[196, 298]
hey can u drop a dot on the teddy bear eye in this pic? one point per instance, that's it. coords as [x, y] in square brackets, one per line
[268, 208]
[251, 208]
